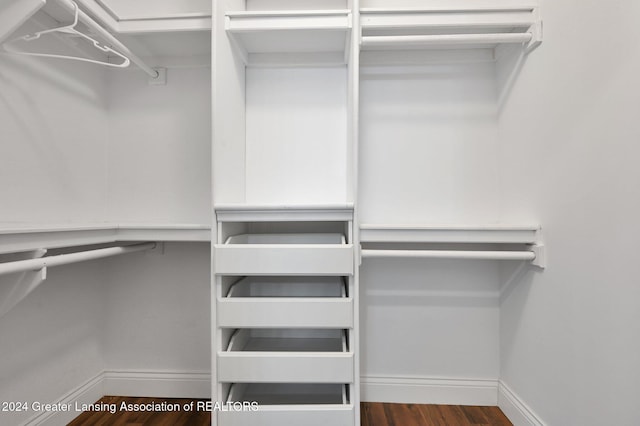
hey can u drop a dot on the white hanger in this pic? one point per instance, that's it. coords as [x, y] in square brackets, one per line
[67, 29]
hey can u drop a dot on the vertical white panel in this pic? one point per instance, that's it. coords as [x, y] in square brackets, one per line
[228, 87]
[296, 135]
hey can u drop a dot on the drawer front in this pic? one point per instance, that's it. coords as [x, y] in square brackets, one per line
[262, 259]
[282, 367]
[290, 416]
[291, 313]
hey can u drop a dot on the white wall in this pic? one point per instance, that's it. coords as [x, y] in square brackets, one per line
[428, 145]
[53, 141]
[158, 311]
[160, 147]
[52, 341]
[570, 336]
[429, 319]
[296, 149]
[53, 145]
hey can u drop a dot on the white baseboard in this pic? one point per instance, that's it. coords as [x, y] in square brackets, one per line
[421, 390]
[151, 384]
[515, 409]
[87, 393]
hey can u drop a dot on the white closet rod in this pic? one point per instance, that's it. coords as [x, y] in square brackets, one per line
[379, 42]
[64, 259]
[450, 254]
[88, 21]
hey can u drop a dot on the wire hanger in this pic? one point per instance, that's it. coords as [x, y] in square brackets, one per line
[67, 29]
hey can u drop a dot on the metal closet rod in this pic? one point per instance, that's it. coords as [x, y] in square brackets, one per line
[450, 254]
[106, 35]
[65, 259]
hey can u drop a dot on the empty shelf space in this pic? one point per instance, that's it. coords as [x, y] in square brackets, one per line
[282, 340]
[301, 302]
[291, 37]
[278, 239]
[288, 287]
[290, 404]
[281, 355]
[325, 254]
[275, 394]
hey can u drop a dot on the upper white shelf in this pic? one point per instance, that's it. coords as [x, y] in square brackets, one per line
[283, 213]
[309, 37]
[14, 239]
[459, 25]
[494, 234]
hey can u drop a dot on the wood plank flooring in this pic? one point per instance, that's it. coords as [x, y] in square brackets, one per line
[373, 414]
[382, 414]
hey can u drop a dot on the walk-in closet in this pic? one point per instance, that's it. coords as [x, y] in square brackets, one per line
[290, 211]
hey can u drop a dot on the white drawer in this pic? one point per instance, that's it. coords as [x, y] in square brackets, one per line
[284, 254]
[290, 405]
[286, 356]
[309, 302]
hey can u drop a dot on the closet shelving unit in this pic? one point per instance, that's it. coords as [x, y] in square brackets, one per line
[285, 314]
[291, 37]
[409, 33]
[285, 289]
[477, 30]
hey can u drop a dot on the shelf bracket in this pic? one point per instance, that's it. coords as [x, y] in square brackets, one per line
[24, 285]
[536, 32]
[540, 260]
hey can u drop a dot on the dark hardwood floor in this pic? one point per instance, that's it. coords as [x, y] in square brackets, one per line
[382, 414]
[373, 414]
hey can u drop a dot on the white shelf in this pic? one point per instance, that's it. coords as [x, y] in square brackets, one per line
[16, 239]
[288, 340]
[273, 395]
[284, 254]
[286, 356]
[290, 404]
[490, 234]
[296, 287]
[294, 38]
[283, 213]
[289, 302]
[463, 26]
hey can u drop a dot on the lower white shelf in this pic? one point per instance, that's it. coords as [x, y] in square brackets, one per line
[284, 254]
[290, 404]
[286, 356]
[310, 302]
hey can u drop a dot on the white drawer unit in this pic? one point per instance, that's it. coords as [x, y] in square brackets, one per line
[287, 355]
[285, 328]
[284, 254]
[290, 404]
[304, 302]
